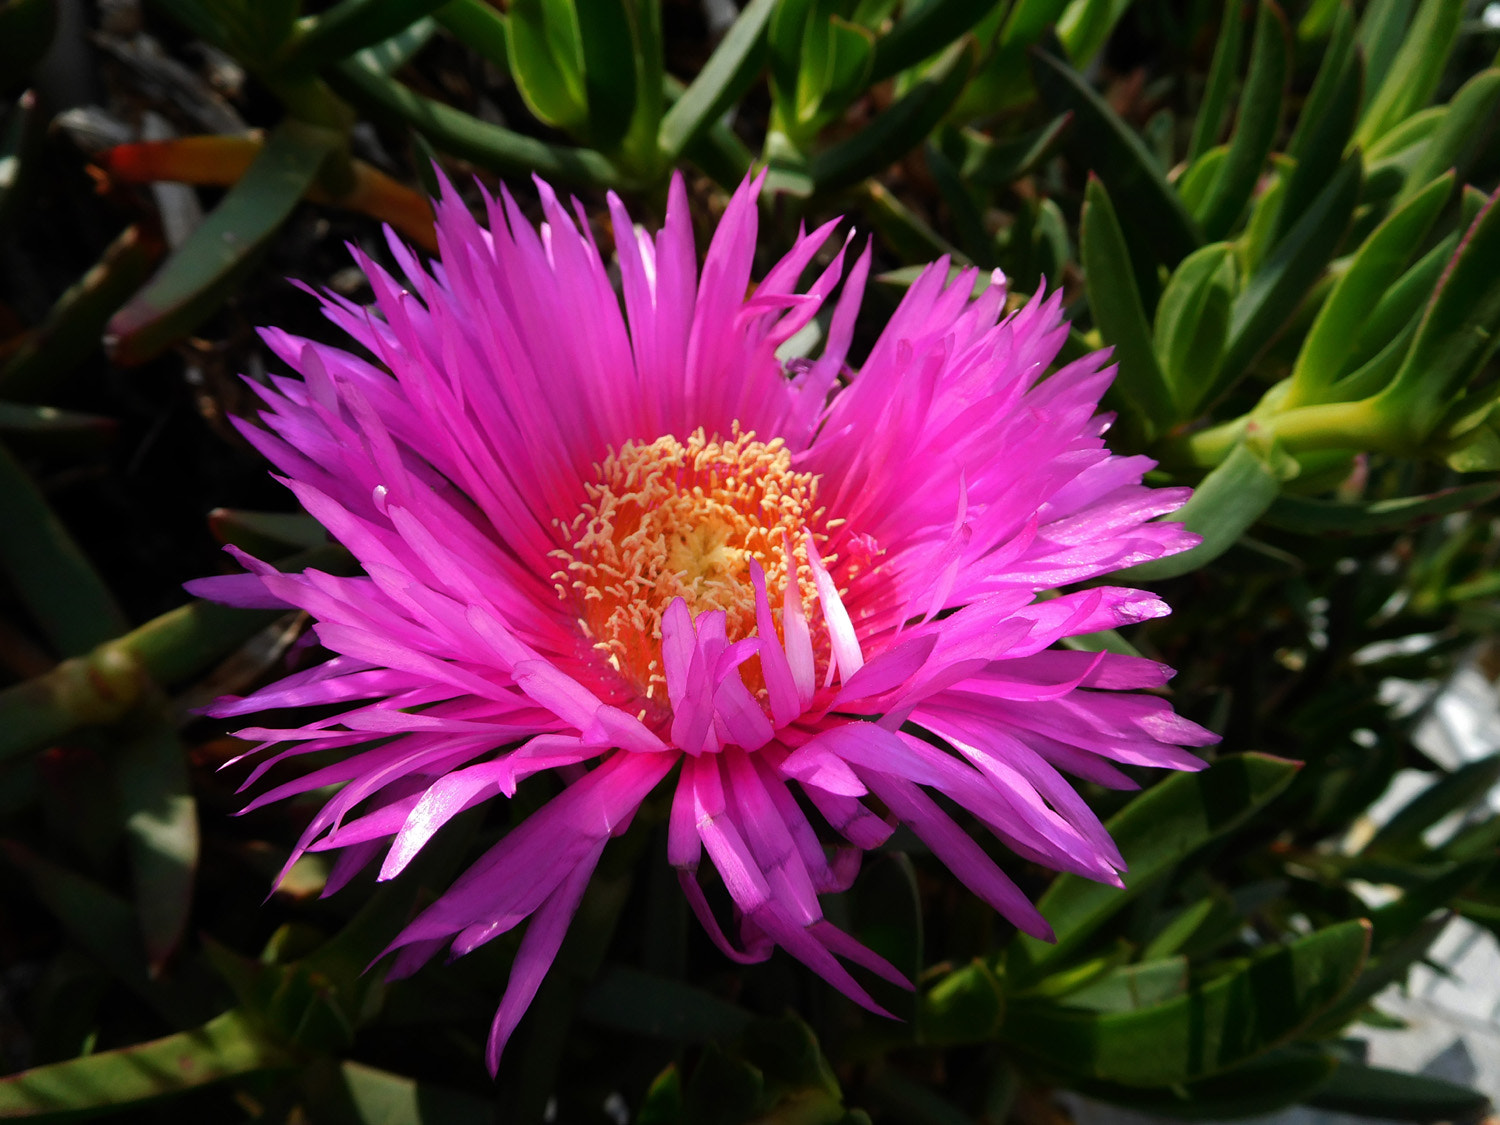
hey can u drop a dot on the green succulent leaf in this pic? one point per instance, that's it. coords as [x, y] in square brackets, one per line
[225, 1047]
[1158, 830]
[1273, 292]
[1465, 126]
[1226, 503]
[546, 61]
[898, 128]
[1396, 1096]
[1119, 313]
[1221, 74]
[1370, 276]
[1098, 139]
[1307, 516]
[351, 26]
[1210, 1029]
[1255, 129]
[726, 76]
[1274, 1081]
[1457, 334]
[923, 30]
[1413, 73]
[196, 279]
[1192, 322]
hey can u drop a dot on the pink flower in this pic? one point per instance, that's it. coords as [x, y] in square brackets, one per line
[621, 545]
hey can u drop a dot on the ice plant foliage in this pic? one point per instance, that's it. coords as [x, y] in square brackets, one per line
[630, 543]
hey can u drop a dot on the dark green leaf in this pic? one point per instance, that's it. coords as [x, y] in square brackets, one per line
[1221, 74]
[49, 572]
[546, 61]
[997, 163]
[898, 128]
[923, 30]
[161, 831]
[1307, 516]
[723, 81]
[1274, 291]
[965, 1006]
[643, 1004]
[1098, 139]
[203, 271]
[1261, 1086]
[100, 924]
[1133, 986]
[1458, 138]
[480, 27]
[352, 25]
[1214, 1027]
[609, 61]
[1255, 129]
[1085, 26]
[1455, 792]
[1118, 312]
[74, 326]
[225, 1047]
[1155, 832]
[490, 146]
[1394, 1096]
[1324, 126]
[378, 1097]
[1382, 29]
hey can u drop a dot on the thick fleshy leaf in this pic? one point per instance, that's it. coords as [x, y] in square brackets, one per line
[898, 128]
[1276, 1080]
[546, 61]
[204, 270]
[490, 146]
[225, 1047]
[50, 573]
[1455, 792]
[1156, 831]
[161, 833]
[1129, 987]
[923, 30]
[1376, 266]
[1192, 321]
[1255, 129]
[1393, 1095]
[1414, 72]
[964, 1006]
[1099, 140]
[1457, 334]
[1222, 508]
[1085, 25]
[1459, 137]
[1118, 311]
[1308, 516]
[1324, 126]
[641, 1003]
[350, 26]
[1221, 74]
[377, 1097]
[73, 328]
[1213, 1027]
[104, 927]
[723, 81]
[1273, 292]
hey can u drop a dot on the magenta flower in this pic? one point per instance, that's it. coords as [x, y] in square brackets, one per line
[618, 544]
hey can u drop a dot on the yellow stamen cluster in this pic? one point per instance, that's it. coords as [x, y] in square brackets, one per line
[671, 519]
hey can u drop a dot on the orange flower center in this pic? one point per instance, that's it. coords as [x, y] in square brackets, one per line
[670, 519]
